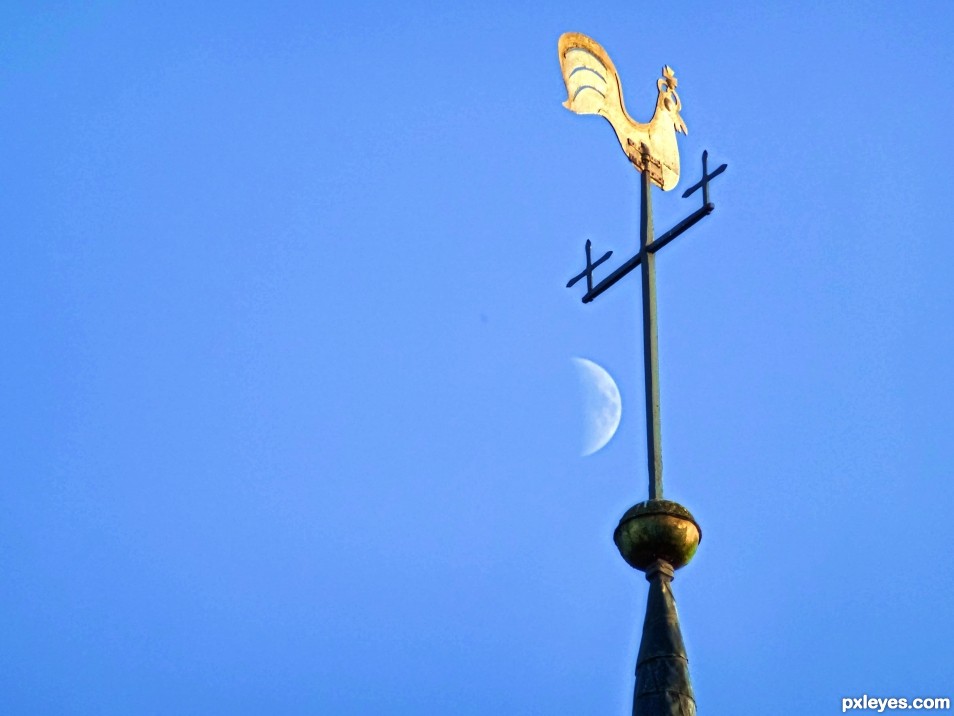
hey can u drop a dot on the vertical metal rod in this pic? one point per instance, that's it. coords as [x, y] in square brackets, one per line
[705, 177]
[589, 268]
[650, 352]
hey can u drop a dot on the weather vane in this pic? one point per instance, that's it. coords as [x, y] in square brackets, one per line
[656, 536]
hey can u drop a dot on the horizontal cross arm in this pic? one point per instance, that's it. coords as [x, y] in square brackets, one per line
[687, 223]
[682, 226]
[613, 278]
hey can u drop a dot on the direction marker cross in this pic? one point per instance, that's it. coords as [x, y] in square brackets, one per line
[704, 182]
[588, 271]
[645, 258]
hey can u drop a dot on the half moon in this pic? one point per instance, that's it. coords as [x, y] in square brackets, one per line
[601, 405]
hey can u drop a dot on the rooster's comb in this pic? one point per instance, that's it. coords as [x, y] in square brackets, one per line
[670, 76]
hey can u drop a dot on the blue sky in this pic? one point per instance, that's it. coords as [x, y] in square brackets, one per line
[289, 418]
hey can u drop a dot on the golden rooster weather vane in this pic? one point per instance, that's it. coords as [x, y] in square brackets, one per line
[656, 536]
[593, 87]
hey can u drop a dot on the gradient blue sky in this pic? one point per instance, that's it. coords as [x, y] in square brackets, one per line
[289, 417]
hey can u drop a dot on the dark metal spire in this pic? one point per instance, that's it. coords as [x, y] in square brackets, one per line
[656, 536]
[662, 667]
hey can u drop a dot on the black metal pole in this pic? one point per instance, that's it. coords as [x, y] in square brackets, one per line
[650, 351]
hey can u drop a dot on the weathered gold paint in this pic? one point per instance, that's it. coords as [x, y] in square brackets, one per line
[593, 87]
[657, 529]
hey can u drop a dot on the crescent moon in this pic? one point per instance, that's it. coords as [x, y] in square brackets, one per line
[601, 403]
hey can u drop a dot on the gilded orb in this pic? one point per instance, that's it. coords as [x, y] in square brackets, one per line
[657, 529]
